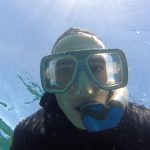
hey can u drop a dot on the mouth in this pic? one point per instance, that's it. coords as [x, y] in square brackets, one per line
[83, 104]
[78, 109]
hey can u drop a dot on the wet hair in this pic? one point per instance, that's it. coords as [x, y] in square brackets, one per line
[74, 30]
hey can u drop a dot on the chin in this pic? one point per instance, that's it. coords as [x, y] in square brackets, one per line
[77, 120]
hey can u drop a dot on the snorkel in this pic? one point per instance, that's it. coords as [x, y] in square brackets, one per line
[100, 117]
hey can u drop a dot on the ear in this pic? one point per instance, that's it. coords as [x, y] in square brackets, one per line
[47, 99]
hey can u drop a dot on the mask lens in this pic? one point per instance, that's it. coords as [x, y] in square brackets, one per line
[59, 72]
[106, 68]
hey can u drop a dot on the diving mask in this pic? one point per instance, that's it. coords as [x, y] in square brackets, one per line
[106, 67]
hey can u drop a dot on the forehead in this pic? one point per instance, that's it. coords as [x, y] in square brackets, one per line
[77, 41]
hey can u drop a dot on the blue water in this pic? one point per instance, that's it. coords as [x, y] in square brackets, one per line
[28, 29]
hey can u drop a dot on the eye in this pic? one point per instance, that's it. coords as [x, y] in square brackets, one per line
[64, 74]
[64, 70]
[97, 64]
[97, 68]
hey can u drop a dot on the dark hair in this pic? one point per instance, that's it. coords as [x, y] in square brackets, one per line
[73, 30]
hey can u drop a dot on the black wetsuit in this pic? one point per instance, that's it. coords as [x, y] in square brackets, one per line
[49, 129]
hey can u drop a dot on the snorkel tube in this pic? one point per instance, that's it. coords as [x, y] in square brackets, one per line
[99, 117]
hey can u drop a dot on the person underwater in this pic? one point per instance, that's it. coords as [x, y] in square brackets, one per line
[85, 104]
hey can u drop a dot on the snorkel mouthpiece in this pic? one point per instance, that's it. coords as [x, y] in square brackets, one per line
[99, 117]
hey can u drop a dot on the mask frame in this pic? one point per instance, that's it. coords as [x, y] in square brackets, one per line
[81, 63]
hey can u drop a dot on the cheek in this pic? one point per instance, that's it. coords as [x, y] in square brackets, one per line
[63, 102]
[102, 96]
[103, 77]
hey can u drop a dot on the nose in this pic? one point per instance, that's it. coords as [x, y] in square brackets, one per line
[83, 86]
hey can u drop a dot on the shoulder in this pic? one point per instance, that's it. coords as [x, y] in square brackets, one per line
[33, 122]
[36, 124]
[27, 130]
[41, 127]
[134, 128]
[138, 113]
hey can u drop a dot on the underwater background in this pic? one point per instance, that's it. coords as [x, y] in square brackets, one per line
[28, 30]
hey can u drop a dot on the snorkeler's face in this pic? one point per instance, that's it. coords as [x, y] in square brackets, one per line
[83, 90]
